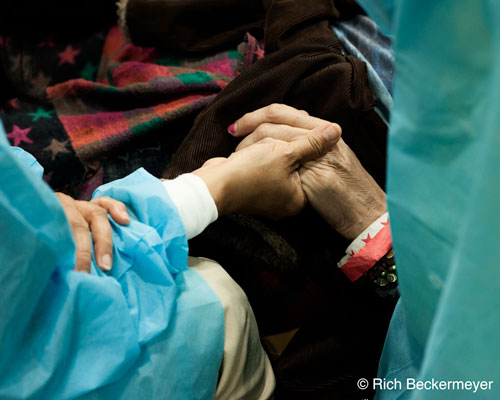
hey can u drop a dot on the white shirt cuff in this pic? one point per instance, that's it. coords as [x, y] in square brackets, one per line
[194, 202]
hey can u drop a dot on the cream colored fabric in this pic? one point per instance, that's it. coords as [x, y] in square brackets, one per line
[246, 371]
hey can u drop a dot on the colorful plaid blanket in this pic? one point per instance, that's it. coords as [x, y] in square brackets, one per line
[108, 116]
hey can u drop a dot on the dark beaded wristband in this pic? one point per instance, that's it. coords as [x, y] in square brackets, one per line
[383, 278]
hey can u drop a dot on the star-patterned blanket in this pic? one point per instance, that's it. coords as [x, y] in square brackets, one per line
[94, 110]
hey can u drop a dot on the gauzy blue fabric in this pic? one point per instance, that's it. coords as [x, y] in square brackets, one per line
[362, 38]
[444, 193]
[151, 328]
[26, 158]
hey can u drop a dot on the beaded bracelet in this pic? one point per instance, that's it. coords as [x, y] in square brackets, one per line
[383, 276]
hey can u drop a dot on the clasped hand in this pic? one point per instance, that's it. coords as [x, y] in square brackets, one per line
[285, 160]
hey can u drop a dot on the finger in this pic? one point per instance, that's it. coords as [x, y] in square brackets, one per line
[285, 133]
[276, 114]
[81, 233]
[83, 255]
[316, 144]
[115, 208]
[97, 219]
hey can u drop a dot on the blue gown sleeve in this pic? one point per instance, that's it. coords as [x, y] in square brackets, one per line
[27, 235]
[66, 334]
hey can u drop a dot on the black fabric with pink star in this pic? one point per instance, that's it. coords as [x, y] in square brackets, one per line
[28, 67]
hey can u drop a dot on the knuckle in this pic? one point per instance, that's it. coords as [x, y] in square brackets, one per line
[243, 122]
[290, 153]
[317, 147]
[258, 134]
[240, 147]
[83, 258]
[104, 199]
[83, 255]
[98, 211]
[267, 140]
[296, 119]
[123, 209]
[267, 128]
[65, 200]
[80, 225]
[274, 111]
[263, 131]
[82, 206]
[60, 196]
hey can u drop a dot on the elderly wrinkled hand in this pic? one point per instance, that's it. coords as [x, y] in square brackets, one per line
[87, 217]
[263, 178]
[336, 184]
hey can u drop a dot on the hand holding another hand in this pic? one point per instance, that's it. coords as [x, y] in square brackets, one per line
[336, 184]
[263, 179]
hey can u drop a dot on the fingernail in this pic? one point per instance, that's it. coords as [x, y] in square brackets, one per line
[232, 129]
[330, 132]
[106, 262]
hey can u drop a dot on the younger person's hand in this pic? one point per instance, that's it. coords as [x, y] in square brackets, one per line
[336, 184]
[263, 178]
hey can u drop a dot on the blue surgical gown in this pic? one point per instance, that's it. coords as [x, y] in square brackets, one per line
[443, 194]
[150, 329]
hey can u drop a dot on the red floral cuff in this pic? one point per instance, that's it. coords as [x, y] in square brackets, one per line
[367, 249]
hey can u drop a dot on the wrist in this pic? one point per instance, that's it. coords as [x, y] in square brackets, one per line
[363, 219]
[218, 184]
[353, 220]
[193, 201]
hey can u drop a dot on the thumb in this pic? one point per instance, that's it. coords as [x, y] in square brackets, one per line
[321, 140]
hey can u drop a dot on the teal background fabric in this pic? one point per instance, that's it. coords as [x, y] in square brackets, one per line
[151, 328]
[443, 189]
